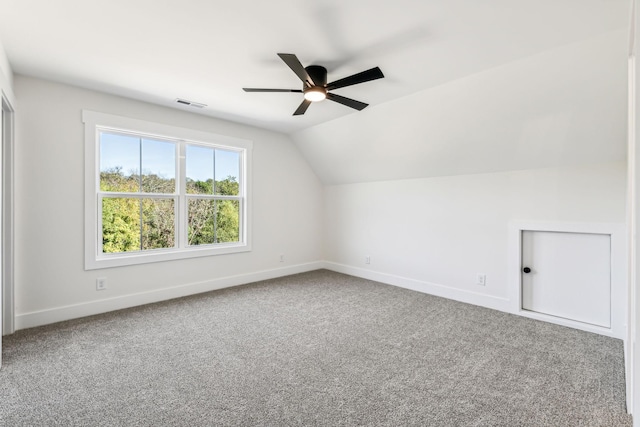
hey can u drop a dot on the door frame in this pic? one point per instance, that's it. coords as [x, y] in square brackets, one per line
[7, 320]
[618, 273]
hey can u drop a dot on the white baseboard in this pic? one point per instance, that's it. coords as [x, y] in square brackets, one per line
[608, 332]
[489, 301]
[58, 314]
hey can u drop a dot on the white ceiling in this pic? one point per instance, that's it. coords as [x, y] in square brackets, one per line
[471, 86]
[207, 50]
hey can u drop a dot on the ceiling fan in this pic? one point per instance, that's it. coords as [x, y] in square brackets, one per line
[315, 87]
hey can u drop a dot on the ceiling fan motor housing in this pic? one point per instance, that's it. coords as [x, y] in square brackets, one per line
[318, 74]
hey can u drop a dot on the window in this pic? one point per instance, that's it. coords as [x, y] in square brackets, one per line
[157, 193]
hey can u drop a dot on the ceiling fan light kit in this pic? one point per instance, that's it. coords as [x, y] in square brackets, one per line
[315, 87]
[315, 94]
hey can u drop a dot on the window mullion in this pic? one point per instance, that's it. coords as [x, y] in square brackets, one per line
[137, 195]
[141, 222]
[212, 197]
[183, 213]
[215, 219]
[140, 166]
[140, 188]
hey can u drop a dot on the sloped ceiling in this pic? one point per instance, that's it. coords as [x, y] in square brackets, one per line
[562, 107]
[470, 86]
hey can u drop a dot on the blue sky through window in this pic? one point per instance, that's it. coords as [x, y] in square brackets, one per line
[158, 157]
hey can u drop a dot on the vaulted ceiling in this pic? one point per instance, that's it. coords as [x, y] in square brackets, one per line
[469, 85]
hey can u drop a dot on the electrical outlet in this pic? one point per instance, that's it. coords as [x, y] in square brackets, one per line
[481, 279]
[367, 259]
[281, 258]
[101, 283]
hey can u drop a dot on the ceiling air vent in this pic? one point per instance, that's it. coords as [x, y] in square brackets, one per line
[190, 103]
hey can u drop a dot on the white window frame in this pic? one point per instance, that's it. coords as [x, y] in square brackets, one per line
[94, 122]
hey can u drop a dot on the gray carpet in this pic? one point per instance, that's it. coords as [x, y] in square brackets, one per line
[318, 348]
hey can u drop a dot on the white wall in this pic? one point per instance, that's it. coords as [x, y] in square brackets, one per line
[50, 281]
[632, 351]
[436, 234]
[6, 76]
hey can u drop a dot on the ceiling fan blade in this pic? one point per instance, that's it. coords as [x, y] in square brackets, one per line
[302, 108]
[347, 101]
[365, 76]
[292, 61]
[252, 89]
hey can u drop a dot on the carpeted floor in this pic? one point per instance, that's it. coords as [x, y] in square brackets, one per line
[316, 349]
